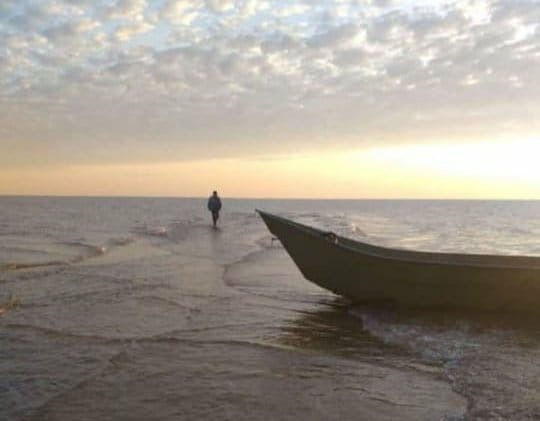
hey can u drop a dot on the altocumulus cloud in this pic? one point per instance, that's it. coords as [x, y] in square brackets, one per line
[139, 80]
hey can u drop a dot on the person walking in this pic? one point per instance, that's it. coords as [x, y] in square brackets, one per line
[214, 206]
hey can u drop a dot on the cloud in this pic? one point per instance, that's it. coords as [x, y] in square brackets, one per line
[289, 10]
[29, 19]
[69, 30]
[132, 10]
[334, 37]
[126, 32]
[181, 12]
[220, 5]
[178, 78]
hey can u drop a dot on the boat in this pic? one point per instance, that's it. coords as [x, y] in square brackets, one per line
[366, 273]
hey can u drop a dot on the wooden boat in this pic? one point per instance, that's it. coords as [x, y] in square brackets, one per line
[368, 273]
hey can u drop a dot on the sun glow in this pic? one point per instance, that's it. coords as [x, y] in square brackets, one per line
[482, 170]
[509, 160]
[497, 169]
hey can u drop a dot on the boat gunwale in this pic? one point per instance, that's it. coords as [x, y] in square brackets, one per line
[415, 256]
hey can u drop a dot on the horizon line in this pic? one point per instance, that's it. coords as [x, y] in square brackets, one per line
[270, 198]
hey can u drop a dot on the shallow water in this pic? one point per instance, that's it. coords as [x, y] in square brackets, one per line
[137, 309]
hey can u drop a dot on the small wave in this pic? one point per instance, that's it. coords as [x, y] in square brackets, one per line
[357, 231]
[92, 250]
[30, 274]
[157, 231]
[31, 265]
[100, 250]
[21, 249]
[244, 343]
[170, 302]
[430, 335]
[243, 215]
[52, 332]
[268, 241]
[308, 215]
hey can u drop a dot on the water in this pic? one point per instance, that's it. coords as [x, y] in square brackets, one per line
[132, 308]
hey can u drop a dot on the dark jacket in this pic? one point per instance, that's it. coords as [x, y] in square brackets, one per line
[214, 204]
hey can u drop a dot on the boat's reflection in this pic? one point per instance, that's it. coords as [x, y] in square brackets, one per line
[332, 328]
[337, 328]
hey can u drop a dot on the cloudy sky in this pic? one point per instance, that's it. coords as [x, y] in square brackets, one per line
[318, 98]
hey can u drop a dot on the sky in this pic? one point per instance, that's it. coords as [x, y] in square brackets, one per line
[271, 98]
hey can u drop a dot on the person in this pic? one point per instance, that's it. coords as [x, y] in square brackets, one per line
[214, 206]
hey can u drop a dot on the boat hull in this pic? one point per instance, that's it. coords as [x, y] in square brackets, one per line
[365, 273]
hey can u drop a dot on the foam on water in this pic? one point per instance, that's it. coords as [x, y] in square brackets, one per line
[61, 253]
[490, 359]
